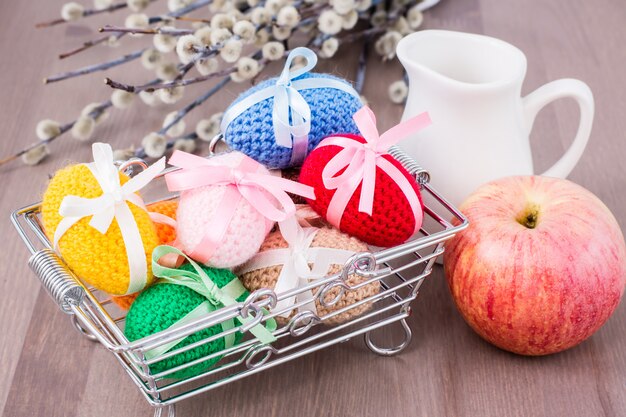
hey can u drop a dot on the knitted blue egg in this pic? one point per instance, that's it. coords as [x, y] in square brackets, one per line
[252, 131]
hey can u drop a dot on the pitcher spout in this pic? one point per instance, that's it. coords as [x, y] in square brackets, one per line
[466, 60]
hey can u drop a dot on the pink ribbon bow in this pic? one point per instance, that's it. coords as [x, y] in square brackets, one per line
[265, 192]
[360, 161]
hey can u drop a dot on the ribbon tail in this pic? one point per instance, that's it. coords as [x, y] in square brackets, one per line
[280, 118]
[206, 248]
[162, 219]
[275, 182]
[168, 269]
[368, 186]
[403, 130]
[365, 120]
[230, 292]
[289, 229]
[406, 188]
[340, 200]
[349, 158]
[299, 150]
[229, 339]
[309, 302]
[102, 221]
[287, 280]
[134, 248]
[144, 177]
[263, 333]
[258, 200]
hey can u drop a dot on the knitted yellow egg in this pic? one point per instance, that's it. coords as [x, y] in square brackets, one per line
[99, 258]
[324, 238]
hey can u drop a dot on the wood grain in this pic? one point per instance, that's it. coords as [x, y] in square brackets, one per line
[48, 369]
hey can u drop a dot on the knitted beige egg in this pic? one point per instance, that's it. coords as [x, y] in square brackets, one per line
[324, 238]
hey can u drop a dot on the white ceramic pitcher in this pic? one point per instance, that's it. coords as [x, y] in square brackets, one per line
[471, 86]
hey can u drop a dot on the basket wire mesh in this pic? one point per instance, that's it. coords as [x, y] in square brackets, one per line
[399, 270]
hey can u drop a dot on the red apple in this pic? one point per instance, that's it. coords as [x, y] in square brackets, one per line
[541, 267]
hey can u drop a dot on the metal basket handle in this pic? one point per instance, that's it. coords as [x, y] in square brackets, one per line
[57, 279]
[421, 175]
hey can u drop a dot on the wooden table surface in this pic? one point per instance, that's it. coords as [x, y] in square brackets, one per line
[49, 369]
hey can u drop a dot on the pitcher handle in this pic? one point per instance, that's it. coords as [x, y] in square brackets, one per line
[554, 90]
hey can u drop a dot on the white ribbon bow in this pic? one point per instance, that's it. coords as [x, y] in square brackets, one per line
[112, 204]
[295, 262]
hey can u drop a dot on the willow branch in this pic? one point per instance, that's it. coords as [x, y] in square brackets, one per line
[171, 84]
[155, 19]
[95, 113]
[203, 53]
[361, 69]
[93, 68]
[140, 153]
[183, 69]
[197, 102]
[313, 11]
[180, 12]
[86, 13]
[354, 36]
[130, 88]
[149, 86]
[138, 89]
[185, 110]
[147, 31]
[89, 44]
[192, 19]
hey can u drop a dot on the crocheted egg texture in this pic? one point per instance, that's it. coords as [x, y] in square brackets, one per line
[252, 131]
[324, 238]
[195, 217]
[168, 208]
[392, 221]
[99, 259]
[160, 306]
[124, 301]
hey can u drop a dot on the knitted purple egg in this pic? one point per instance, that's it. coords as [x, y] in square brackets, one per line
[279, 121]
[202, 210]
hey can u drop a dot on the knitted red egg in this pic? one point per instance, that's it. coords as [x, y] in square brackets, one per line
[393, 219]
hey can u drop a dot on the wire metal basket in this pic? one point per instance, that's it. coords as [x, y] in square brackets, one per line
[399, 270]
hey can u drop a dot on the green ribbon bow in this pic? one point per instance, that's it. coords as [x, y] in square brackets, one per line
[217, 298]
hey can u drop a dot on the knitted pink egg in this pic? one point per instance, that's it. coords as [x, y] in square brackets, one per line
[203, 210]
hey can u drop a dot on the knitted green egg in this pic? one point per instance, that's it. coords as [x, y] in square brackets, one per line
[162, 305]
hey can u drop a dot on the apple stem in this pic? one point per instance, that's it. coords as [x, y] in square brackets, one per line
[529, 218]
